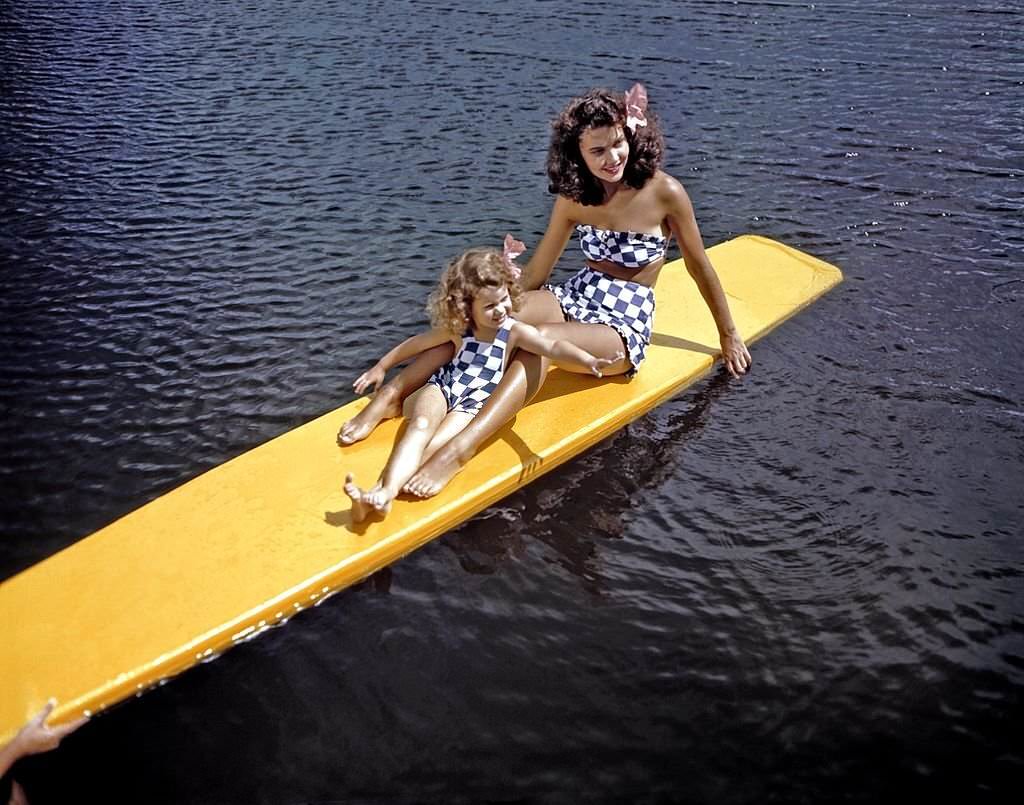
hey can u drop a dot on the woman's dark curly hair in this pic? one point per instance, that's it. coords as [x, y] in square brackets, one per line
[568, 174]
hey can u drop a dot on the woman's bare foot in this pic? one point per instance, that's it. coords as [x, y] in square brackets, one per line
[380, 499]
[385, 404]
[435, 474]
[361, 508]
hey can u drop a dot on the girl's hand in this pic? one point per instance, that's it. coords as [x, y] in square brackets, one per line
[369, 379]
[597, 364]
[735, 355]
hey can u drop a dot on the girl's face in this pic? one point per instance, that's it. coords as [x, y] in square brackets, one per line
[491, 306]
[605, 151]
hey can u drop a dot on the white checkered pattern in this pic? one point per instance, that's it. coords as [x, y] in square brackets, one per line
[627, 249]
[627, 307]
[474, 373]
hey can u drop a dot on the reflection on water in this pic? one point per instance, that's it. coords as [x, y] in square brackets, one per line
[800, 587]
[618, 474]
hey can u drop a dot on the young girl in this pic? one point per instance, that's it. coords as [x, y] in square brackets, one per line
[471, 308]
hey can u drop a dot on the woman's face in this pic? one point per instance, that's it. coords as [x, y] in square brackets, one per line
[605, 151]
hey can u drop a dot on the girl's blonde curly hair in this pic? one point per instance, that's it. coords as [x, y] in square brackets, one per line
[450, 306]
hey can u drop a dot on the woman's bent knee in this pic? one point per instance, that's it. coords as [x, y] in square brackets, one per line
[539, 307]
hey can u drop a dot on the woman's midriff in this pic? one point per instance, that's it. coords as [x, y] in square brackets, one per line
[647, 275]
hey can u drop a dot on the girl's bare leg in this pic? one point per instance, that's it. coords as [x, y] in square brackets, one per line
[523, 378]
[360, 506]
[425, 410]
[387, 401]
[453, 424]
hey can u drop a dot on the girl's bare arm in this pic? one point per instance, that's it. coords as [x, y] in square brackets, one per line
[409, 347]
[564, 353]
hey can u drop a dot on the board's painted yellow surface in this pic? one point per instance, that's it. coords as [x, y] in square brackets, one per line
[251, 542]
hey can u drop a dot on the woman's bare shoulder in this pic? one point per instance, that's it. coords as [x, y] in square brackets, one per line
[566, 209]
[667, 186]
[671, 194]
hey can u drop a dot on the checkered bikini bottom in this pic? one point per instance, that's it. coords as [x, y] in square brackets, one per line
[627, 307]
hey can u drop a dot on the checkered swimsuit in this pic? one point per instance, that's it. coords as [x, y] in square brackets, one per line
[594, 297]
[469, 378]
[628, 249]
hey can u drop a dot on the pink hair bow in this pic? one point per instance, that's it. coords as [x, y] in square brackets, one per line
[636, 106]
[513, 248]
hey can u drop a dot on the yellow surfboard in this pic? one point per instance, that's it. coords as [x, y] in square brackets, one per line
[248, 544]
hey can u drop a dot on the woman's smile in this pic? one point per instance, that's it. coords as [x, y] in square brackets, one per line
[611, 170]
[605, 151]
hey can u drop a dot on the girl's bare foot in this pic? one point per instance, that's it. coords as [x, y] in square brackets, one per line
[380, 499]
[435, 474]
[384, 405]
[360, 506]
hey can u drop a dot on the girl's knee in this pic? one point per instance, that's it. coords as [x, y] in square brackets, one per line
[415, 403]
[421, 423]
[417, 417]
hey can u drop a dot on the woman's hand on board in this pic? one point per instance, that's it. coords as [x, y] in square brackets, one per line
[735, 354]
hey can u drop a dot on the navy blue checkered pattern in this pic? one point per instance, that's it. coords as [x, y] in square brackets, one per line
[627, 307]
[474, 373]
[627, 249]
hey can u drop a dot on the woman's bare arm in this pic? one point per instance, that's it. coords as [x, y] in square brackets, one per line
[551, 246]
[684, 226]
[373, 376]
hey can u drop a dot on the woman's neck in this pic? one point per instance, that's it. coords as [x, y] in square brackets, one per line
[611, 189]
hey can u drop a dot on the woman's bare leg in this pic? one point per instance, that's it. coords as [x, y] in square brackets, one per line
[597, 339]
[539, 307]
[387, 401]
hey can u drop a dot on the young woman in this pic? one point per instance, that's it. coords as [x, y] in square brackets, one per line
[604, 165]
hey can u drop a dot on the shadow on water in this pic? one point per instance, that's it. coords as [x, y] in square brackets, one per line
[582, 503]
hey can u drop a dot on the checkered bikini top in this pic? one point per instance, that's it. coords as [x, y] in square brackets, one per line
[483, 360]
[627, 249]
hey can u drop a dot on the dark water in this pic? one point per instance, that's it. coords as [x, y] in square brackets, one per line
[802, 587]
